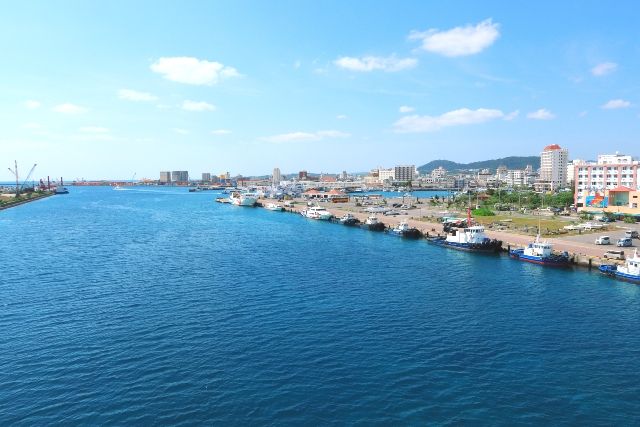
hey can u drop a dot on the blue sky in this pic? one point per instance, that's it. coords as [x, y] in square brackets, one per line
[102, 90]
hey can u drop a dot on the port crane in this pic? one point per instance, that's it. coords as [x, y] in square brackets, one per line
[15, 173]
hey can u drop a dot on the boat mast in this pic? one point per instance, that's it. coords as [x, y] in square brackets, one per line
[469, 210]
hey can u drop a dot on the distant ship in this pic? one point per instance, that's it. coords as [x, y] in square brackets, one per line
[538, 252]
[243, 199]
[629, 272]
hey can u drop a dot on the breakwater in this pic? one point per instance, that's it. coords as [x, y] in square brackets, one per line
[10, 203]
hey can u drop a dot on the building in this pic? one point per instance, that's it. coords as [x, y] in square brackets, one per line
[180, 176]
[303, 175]
[611, 181]
[276, 177]
[404, 172]
[438, 173]
[386, 175]
[553, 167]
[516, 178]
[165, 177]
[206, 177]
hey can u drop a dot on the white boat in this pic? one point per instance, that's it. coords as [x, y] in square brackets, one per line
[274, 207]
[404, 230]
[630, 271]
[538, 252]
[243, 199]
[317, 212]
[373, 224]
[348, 219]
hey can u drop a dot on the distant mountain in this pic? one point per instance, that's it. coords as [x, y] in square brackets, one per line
[513, 162]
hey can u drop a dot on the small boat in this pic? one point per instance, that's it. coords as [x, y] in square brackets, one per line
[195, 189]
[61, 190]
[243, 199]
[348, 219]
[538, 252]
[317, 212]
[373, 224]
[403, 230]
[274, 207]
[629, 272]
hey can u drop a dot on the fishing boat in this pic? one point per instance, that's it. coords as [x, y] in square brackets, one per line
[243, 199]
[538, 252]
[348, 219]
[274, 207]
[317, 212]
[404, 230]
[629, 272]
[373, 224]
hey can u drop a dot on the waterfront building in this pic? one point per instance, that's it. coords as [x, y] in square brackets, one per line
[610, 184]
[276, 177]
[165, 177]
[404, 172]
[386, 175]
[206, 177]
[553, 167]
[180, 176]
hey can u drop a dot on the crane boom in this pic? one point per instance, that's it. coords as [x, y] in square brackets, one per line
[15, 173]
[29, 175]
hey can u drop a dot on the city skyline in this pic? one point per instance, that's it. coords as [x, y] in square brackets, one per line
[103, 91]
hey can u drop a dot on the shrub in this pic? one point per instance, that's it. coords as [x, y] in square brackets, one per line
[483, 211]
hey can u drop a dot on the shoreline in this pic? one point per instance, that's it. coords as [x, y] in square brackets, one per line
[22, 202]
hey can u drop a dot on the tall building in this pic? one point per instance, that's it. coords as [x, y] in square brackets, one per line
[165, 177]
[180, 176]
[553, 166]
[404, 172]
[276, 177]
[302, 175]
[206, 177]
[594, 181]
[386, 175]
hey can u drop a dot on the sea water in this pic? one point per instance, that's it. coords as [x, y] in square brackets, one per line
[158, 306]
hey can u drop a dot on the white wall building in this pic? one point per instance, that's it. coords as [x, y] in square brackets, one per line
[592, 178]
[386, 175]
[276, 177]
[553, 166]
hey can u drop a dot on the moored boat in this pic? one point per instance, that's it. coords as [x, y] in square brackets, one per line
[348, 219]
[243, 199]
[629, 272]
[404, 230]
[274, 207]
[373, 224]
[538, 252]
[317, 212]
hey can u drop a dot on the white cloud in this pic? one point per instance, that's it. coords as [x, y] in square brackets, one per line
[604, 68]
[197, 106]
[193, 71]
[615, 104]
[134, 95]
[221, 132]
[180, 131]
[371, 63]
[463, 116]
[32, 125]
[31, 104]
[306, 136]
[541, 114]
[93, 129]
[512, 115]
[458, 41]
[68, 108]
[406, 109]
[342, 117]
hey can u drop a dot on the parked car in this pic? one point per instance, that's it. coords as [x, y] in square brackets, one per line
[625, 242]
[606, 219]
[631, 234]
[614, 255]
[603, 240]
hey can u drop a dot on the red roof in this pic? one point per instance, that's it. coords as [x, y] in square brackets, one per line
[621, 189]
[552, 147]
[336, 191]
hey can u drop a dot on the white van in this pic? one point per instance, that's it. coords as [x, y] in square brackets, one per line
[603, 240]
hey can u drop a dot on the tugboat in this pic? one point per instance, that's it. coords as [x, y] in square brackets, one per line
[373, 224]
[403, 230]
[349, 219]
[317, 212]
[470, 238]
[629, 272]
[541, 253]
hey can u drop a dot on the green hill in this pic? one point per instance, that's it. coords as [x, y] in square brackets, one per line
[513, 162]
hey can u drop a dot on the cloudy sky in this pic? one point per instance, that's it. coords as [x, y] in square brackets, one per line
[105, 90]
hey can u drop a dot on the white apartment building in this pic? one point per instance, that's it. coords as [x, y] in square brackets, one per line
[276, 177]
[553, 166]
[438, 173]
[386, 174]
[593, 178]
[516, 178]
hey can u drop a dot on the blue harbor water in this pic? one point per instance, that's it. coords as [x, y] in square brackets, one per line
[159, 306]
